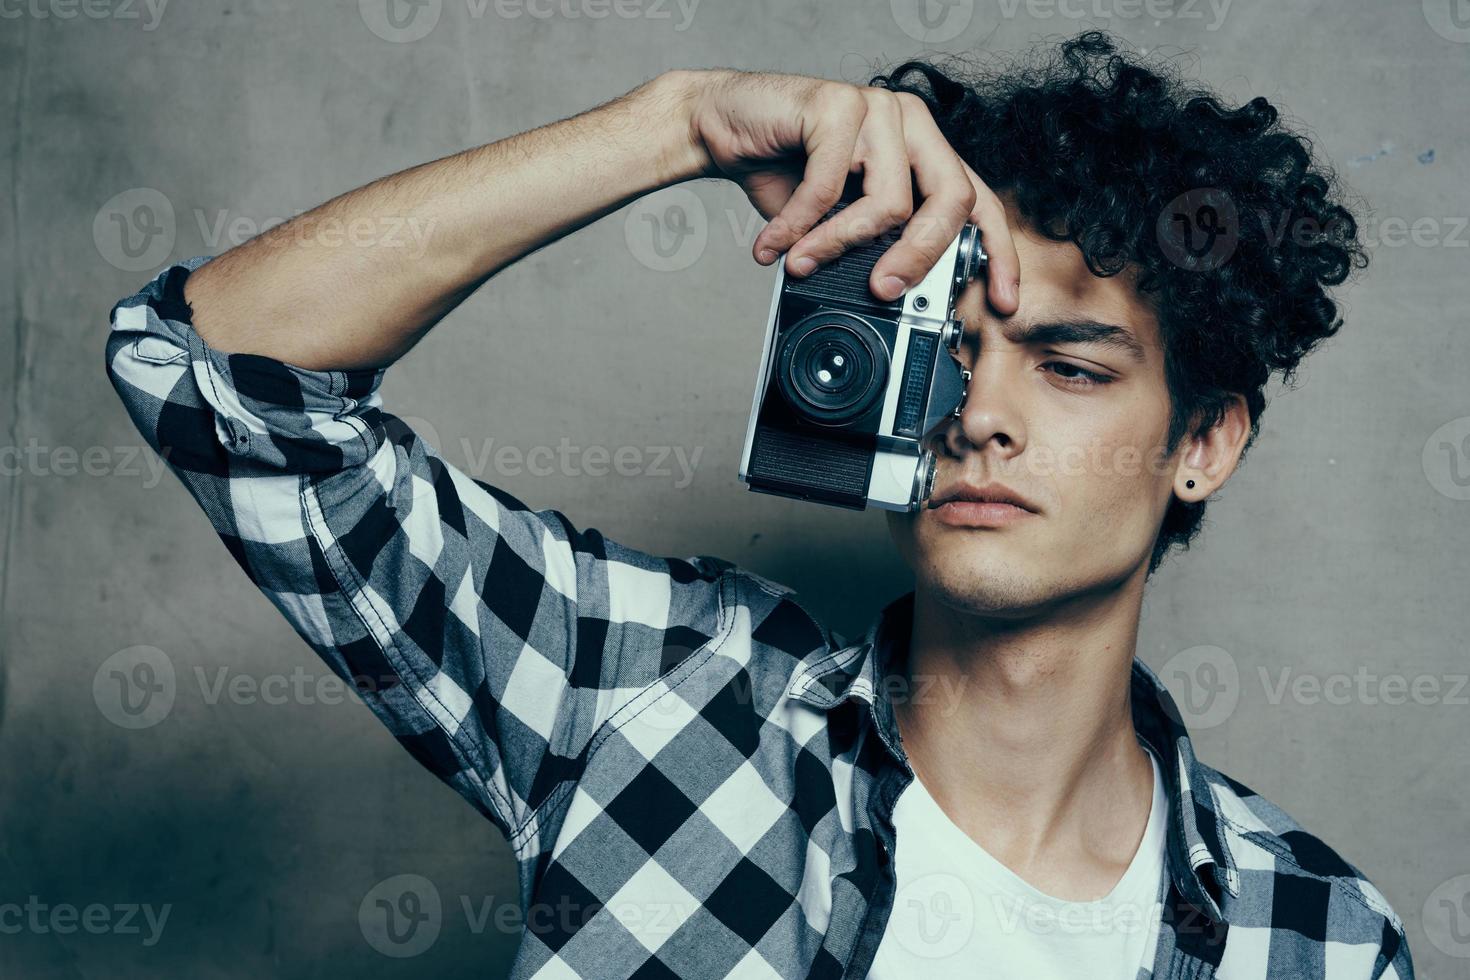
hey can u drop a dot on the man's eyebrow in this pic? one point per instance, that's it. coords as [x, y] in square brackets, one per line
[1077, 332]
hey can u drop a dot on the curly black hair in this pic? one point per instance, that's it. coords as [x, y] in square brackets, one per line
[1234, 230]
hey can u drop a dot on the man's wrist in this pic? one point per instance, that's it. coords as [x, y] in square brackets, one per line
[673, 96]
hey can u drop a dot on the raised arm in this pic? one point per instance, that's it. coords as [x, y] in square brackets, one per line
[790, 140]
[356, 303]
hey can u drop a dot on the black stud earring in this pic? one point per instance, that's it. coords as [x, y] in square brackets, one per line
[1189, 484]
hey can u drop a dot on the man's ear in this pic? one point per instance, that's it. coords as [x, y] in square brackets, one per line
[1210, 456]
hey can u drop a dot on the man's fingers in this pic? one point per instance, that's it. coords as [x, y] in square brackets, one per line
[769, 192]
[894, 141]
[949, 199]
[887, 198]
[1003, 266]
[837, 116]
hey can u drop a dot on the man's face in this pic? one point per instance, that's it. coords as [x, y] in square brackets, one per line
[1086, 453]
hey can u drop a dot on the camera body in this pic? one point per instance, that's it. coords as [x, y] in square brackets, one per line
[850, 384]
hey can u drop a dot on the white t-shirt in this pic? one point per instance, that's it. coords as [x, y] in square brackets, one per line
[959, 912]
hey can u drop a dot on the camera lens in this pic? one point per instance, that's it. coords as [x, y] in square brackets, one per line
[832, 368]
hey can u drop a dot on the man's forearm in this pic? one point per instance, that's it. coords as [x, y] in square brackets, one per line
[320, 293]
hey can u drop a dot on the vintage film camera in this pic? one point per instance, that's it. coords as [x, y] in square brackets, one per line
[849, 384]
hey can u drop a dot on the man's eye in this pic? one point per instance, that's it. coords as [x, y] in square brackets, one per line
[1079, 377]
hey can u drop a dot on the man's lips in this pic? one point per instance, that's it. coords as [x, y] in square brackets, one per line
[969, 504]
[975, 513]
[989, 493]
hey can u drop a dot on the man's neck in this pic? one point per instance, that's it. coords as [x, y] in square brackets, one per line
[1031, 748]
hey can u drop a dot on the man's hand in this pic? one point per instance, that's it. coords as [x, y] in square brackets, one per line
[790, 142]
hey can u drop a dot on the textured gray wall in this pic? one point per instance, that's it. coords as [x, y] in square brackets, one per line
[260, 822]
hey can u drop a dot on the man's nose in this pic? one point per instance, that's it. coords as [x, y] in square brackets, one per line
[990, 413]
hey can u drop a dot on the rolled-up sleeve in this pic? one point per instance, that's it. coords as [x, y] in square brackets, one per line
[491, 639]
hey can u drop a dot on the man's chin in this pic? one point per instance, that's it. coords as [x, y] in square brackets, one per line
[1000, 585]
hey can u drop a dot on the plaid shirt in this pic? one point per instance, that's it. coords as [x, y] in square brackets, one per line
[697, 777]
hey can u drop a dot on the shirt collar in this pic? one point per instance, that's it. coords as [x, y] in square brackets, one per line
[1198, 857]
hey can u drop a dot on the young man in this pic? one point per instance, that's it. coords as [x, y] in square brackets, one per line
[697, 778]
